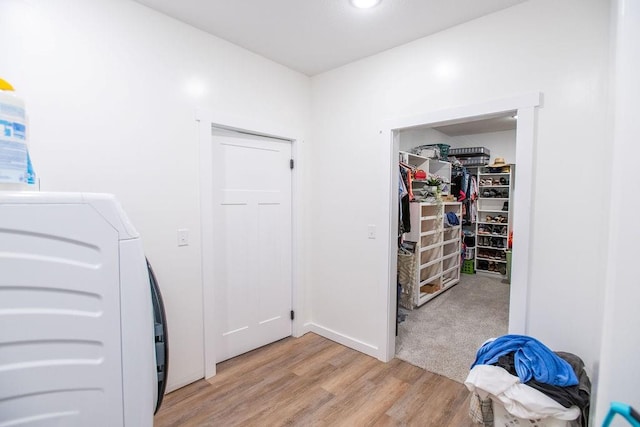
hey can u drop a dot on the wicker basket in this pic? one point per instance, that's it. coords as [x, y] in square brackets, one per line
[406, 279]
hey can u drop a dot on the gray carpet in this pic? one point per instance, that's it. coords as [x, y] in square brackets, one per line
[443, 335]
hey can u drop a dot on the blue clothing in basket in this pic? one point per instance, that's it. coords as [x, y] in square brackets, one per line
[532, 359]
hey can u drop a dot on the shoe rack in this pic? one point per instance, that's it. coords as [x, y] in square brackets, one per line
[438, 245]
[495, 218]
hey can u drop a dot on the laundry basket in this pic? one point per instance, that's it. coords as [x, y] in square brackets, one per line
[625, 411]
[501, 418]
[510, 395]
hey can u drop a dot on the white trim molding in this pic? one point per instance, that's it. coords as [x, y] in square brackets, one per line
[525, 106]
[361, 346]
[206, 120]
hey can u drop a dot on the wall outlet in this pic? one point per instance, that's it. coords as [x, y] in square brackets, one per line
[183, 237]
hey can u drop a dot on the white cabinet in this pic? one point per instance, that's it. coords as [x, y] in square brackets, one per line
[437, 256]
[495, 218]
[431, 166]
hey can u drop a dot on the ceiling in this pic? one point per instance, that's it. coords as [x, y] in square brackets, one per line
[313, 36]
[483, 124]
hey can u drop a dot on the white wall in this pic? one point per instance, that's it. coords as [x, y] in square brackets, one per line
[112, 90]
[500, 144]
[557, 48]
[410, 138]
[620, 364]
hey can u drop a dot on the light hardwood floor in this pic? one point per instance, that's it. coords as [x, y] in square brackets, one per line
[312, 381]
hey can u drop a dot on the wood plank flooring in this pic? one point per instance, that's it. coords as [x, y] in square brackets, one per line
[312, 381]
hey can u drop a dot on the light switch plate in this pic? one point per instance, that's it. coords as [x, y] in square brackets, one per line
[371, 231]
[183, 237]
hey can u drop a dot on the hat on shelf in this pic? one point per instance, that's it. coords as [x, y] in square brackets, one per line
[498, 162]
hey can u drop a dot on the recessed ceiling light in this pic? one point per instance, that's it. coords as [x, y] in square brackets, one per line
[364, 4]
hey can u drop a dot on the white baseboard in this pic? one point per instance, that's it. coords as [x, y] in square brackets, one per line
[181, 382]
[306, 327]
[345, 340]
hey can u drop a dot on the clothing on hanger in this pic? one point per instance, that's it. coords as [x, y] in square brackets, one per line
[404, 196]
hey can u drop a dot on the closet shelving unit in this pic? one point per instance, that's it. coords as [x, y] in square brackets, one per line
[495, 218]
[471, 158]
[432, 166]
[437, 251]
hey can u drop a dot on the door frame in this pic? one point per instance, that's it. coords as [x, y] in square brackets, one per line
[205, 121]
[526, 108]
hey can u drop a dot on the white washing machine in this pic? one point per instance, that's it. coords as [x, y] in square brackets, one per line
[82, 338]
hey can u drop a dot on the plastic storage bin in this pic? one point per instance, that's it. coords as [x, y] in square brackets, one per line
[470, 152]
[467, 267]
[469, 253]
[444, 151]
[475, 161]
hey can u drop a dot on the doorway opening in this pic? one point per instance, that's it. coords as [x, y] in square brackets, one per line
[525, 108]
[454, 255]
[249, 236]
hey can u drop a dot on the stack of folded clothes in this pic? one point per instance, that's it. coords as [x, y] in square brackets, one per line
[530, 381]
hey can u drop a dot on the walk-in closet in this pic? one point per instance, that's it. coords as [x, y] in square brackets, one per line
[455, 236]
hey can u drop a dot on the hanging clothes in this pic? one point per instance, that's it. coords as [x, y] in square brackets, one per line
[402, 186]
[404, 217]
[464, 185]
[473, 200]
[460, 183]
[408, 173]
[456, 182]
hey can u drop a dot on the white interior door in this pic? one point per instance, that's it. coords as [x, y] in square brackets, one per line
[252, 242]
